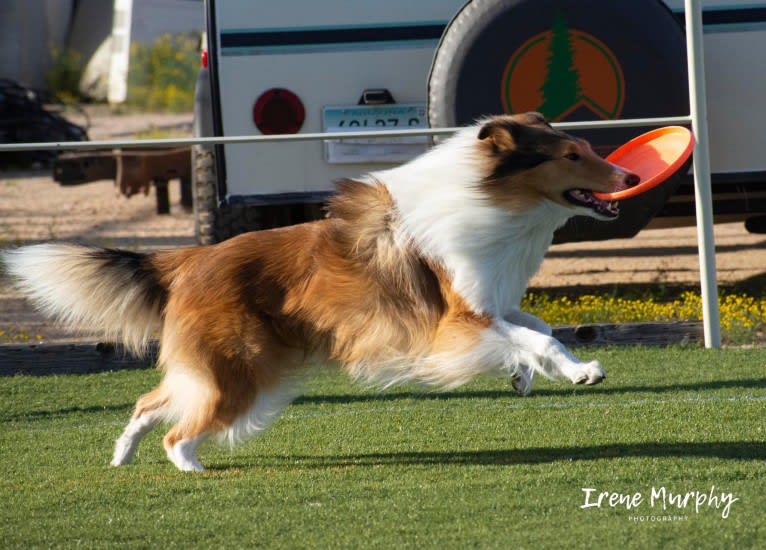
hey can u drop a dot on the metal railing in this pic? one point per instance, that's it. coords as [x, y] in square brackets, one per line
[701, 165]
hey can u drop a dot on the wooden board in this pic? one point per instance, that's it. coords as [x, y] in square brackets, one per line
[49, 359]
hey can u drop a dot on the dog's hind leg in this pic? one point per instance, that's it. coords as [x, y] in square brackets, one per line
[181, 447]
[182, 440]
[195, 404]
[150, 409]
[233, 407]
[264, 410]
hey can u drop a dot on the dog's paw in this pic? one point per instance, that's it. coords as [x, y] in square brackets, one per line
[588, 373]
[522, 382]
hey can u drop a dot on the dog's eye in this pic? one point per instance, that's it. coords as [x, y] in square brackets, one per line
[572, 156]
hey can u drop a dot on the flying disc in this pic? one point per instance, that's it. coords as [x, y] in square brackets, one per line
[653, 156]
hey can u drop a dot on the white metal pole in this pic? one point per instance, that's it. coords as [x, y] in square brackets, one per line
[702, 191]
[179, 142]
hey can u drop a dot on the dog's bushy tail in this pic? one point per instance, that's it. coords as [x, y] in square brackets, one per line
[116, 293]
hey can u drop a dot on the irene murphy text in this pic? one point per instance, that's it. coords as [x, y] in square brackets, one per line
[661, 499]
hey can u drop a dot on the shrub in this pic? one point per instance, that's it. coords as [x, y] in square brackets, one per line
[63, 78]
[742, 317]
[162, 74]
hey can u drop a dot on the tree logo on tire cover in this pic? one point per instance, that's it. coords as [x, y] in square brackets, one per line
[564, 74]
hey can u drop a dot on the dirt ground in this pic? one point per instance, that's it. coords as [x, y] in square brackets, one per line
[34, 208]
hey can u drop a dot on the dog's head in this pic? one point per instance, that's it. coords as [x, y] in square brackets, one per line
[529, 162]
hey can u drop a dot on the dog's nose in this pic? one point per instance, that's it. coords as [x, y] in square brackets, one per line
[631, 180]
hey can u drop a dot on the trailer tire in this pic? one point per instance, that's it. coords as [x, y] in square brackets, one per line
[498, 56]
[214, 222]
[205, 199]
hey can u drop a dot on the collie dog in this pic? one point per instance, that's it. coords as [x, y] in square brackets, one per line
[416, 274]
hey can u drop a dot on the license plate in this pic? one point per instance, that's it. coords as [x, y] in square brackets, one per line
[355, 118]
[369, 117]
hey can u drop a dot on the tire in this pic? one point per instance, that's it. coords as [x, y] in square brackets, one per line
[204, 183]
[498, 56]
[214, 222]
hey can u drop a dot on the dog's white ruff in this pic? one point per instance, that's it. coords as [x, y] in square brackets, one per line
[489, 252]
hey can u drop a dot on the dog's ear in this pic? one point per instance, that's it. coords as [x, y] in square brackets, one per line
[499, 134]
[537, 119]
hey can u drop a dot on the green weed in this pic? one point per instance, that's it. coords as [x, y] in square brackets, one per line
[162, 74]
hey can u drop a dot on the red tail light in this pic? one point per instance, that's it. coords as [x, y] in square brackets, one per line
[278, 111]
[203, 59]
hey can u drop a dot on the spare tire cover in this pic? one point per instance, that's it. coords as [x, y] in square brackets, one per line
[571, 60]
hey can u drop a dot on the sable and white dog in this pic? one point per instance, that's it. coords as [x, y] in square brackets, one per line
[416, 274]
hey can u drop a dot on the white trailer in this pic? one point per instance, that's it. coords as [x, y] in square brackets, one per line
[299, 66]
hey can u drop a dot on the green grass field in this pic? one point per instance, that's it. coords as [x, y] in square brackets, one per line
[347, 467]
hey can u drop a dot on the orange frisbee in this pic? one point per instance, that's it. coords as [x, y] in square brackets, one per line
[653, 156]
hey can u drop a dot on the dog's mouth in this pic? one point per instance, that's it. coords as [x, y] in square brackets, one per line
[584, 198]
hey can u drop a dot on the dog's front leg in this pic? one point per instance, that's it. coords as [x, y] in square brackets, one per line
[525, 375]
[522, 379]
[524, 319]
[543, 353]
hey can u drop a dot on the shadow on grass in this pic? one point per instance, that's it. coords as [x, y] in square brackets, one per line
[61, 413]
[721, 450]
[566, 391]
[752, 383]
[341, 399]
